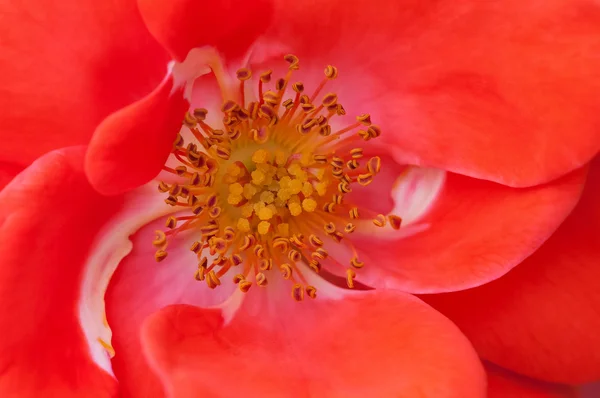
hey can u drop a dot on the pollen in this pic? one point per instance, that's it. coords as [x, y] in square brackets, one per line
[265, 193]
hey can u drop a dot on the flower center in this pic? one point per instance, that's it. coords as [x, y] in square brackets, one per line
[267, 193]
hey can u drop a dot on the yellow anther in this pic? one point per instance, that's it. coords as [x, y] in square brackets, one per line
[311, 291]
[280, 158]
[247, 210]
[309, 205]
[315, 241]
[356, 263]
[395, 221]
[236, 188]
[160, 255]
[349, 228]
[200, 113]
[243, 225]
[356, 153]
[258, 177]
[320, 253]
[331, 72]
[294, 255]
[228, 233]
[249, 191]
[236, 259]
[263, 227]
[286, 271]
[260, 156]
[243, 74]
[200, 273]
[267, 197]
[353, 213]
[293, 61]
[315, 265]
[234, 199]
[196, 247]
[234, 170]
[285, 182]
[265, 264]
[321, 188]
[215, 212]
[350, 275]
[364, 119]
[296, 186]
[212, 280]
[298, 292]
[160, 239]
[294, 169]
[265, 213]
[244, 286]
[265, 77]
[171, 222]
[374, 165]
[295, 209]
[307, 189]
[379, 221]
[261, 279]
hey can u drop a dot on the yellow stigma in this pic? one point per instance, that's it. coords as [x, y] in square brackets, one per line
[265, 193]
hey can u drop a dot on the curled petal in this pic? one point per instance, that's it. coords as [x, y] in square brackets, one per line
[363, 349]
[62, 71]
[49, 216]
[130, 146]
[541, 319]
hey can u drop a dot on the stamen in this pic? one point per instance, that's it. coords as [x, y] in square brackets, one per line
[265, 192]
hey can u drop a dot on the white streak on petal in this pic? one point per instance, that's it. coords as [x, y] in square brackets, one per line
[415, 191]
[111, 245]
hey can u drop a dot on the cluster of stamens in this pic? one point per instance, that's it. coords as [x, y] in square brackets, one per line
[266, 193]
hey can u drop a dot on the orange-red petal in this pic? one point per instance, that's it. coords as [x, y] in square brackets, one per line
[229, 25]
[141, 286]
[475, 232]
[376, 344]
[541, 319]
[504, 384]
[66, 65]
[130, 147]
[505, 91]
[49, 216]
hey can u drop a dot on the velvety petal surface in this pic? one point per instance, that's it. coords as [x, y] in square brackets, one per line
[542, 318]
[229, 25]
[7, 172]
[352, 347]
[139, 287]
[504, 384]
[130, 146]
[66, 65]
[504, 91]
[473, 233]
[49, 215]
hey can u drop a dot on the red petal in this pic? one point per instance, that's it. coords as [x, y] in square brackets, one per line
[130, 146]
[475, 232]
[62, 71]
[541, 319]
[48, 216]
[504, 384]
[140, 287]
[501, 91]
[7, 172]
[362, 349]
[229, 25]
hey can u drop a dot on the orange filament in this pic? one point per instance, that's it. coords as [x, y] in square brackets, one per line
[266, 194]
